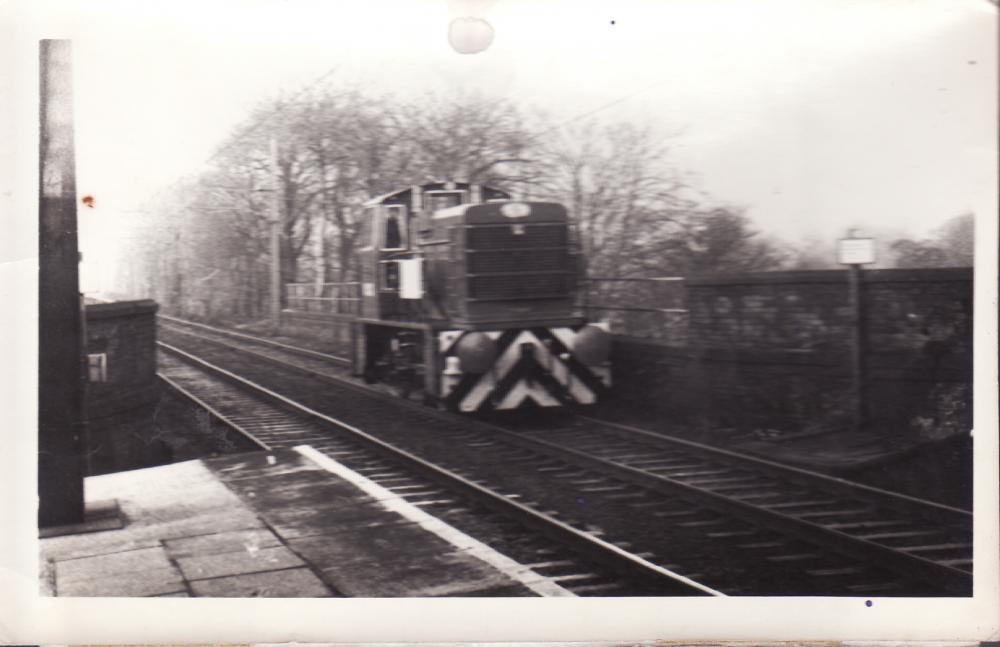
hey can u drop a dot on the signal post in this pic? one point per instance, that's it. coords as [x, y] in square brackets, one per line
[855, 251]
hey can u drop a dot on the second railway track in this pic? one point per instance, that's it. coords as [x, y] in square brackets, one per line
[556, 558]
[741, 525]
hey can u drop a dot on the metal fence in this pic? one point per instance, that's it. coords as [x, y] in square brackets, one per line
[650, 308]
[338, 298]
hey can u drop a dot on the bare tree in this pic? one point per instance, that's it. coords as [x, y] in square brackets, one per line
[469, 137]
[717, 241]
[952, 245]
[632, 210]
[359, 151]
[813, 253]
[620, 190]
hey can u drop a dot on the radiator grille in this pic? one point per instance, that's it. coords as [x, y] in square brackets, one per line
[503, 236]
[517, 261]
[540, 260]
[519, 286]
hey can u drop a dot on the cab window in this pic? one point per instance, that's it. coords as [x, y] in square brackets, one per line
[437, 200]
[394, 229]
[389, 275]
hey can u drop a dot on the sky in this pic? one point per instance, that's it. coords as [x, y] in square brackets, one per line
[813, 115]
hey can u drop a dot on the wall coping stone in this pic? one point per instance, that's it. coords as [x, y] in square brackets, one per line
[838, 277]
[120, 309]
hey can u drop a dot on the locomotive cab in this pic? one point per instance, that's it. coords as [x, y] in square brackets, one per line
[395, 235]
[385, 239]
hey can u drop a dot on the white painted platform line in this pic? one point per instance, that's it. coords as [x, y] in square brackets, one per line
[391, 501]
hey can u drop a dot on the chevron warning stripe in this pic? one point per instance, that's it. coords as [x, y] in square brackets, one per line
[533, 365]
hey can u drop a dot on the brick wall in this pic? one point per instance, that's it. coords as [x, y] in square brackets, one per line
[919, 310]
[119, 410]
[770, 350]
[769, 310]
[809, 311]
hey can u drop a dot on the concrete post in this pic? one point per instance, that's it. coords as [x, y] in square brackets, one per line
[60, 357]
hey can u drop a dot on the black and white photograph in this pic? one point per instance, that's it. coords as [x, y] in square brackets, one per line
[682, 312]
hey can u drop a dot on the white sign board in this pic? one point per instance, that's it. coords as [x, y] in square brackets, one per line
[411, 285]
[855, 251]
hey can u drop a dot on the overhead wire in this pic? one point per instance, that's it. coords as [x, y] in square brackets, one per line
[601, 107]
[270, 114]
[290, 101]
[284, 104]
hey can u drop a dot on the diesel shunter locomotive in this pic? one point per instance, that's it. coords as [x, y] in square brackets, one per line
[468, 297]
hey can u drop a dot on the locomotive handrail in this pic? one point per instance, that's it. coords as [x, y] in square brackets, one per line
[302, 295]
[614, 296]
[297, 296]
[636, 279]
[487, 250]
[518, 273]
[313, 285]
[601, 306]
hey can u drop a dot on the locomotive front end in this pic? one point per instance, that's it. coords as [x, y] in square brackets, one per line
[505, 282]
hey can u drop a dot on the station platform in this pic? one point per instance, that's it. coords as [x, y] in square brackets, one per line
[285, 523]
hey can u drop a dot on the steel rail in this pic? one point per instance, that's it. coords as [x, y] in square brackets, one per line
[928, 509]
[954, 579]
[612, 556]
[212, 411]
[260, 340]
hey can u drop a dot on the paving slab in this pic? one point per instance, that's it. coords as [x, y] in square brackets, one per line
[305, 485]
[264, 524]
[428, 566]
[293, 583]
[111, 564]
[235, 467]
[159, 503]
[221, 542]
[310, 486]
[147, 582]
[301, 521]
[358, 546]
[237, 563]
[381, 544]
[427, 575]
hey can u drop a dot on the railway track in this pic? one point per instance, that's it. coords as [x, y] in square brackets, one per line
[824, 535]
[905, 534]
[557, 558]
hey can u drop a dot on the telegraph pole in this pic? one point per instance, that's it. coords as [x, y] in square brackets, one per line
[60, 317]
[275, 237]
